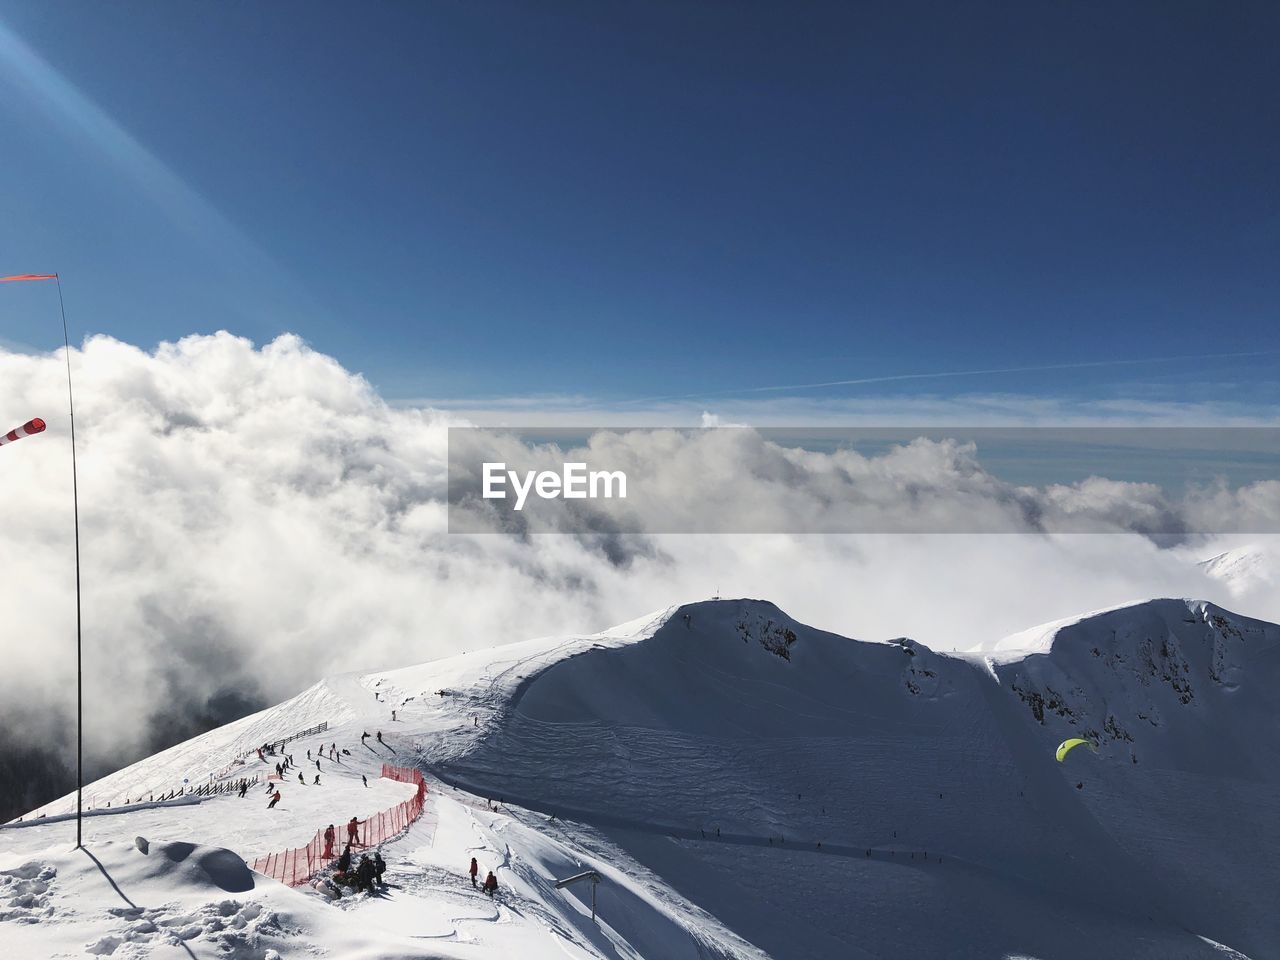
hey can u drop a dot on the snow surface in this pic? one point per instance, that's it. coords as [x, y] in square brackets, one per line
[1243, 569]
[746, 786]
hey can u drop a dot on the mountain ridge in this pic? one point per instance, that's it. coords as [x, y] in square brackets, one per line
[726, 751]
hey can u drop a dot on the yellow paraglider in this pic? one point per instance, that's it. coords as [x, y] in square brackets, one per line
[1066, 746]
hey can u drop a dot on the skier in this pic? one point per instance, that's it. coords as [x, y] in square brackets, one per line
[475, 868]
[329, 835]
[393, 716]
[365, 779]
[317, 764]
[300, 780]
[490, 884]
[317, 783]
[379, 736]
[274, 800]
[364, 736]
[379, 865]
[308, 755]
[244, 788]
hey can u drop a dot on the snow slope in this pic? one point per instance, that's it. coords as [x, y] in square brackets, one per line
[1243, 569]
[747, 786]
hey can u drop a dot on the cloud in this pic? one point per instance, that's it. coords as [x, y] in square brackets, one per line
[255, 518]
[744, 480]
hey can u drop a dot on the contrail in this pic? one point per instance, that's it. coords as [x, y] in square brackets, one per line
[993, 371]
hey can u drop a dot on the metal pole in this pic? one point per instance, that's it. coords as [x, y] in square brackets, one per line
[75, 501]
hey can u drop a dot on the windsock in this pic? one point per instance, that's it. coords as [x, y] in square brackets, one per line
[27, 429]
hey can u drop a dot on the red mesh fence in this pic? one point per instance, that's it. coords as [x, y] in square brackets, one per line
[300, 864]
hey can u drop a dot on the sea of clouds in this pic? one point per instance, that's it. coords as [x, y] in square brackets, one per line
[255, 518]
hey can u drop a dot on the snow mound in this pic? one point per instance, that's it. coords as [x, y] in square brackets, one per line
[98, 902]
[192, 865]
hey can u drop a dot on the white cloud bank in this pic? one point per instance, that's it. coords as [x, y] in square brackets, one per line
[256, 518]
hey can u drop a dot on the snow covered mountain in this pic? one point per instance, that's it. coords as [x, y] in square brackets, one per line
[1243, 568]
[745, 786]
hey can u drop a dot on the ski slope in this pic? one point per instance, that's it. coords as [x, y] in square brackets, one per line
[746, 786]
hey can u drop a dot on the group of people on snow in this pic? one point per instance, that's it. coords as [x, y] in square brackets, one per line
[365, 874]
[490, 885]
[353, 835]
[360, 876]
[368, 872]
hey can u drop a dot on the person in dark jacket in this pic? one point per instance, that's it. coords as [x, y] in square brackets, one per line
[490, 884]
[344, 861]
[365, 873]
[475, 868]
[379, 865]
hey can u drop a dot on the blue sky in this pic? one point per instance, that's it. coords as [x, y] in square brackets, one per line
[471, 200]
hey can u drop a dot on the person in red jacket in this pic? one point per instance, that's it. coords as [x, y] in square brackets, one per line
[475, 868]
[275, 798]
[353, 828]
[329, 836]
[490, 884]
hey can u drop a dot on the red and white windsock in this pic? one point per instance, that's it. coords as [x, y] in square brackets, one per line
[27, 429]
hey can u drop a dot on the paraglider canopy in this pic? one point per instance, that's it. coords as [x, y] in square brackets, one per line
[1066, 746]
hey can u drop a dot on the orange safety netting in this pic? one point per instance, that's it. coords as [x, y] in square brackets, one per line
[300, 864]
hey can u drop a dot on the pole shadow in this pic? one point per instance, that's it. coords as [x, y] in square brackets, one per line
[122, 895]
